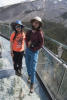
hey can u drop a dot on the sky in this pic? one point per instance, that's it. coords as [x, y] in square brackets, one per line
[10, 2]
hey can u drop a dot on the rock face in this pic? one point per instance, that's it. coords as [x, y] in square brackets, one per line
[23, 11]
[56, 10]
[52, 10]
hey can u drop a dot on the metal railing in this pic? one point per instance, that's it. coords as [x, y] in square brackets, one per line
[58, 43]
[53, 73]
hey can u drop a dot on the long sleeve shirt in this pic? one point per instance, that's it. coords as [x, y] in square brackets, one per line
[37, 39]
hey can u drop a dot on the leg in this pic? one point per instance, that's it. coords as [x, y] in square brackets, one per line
[15, 60]
[33, 70]
[33, 66]
[20, 57]
[27, 59]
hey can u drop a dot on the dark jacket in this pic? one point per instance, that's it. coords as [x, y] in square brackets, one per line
[36, 38]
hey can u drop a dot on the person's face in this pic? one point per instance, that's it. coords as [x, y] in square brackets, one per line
[18, 28]
[35, 24]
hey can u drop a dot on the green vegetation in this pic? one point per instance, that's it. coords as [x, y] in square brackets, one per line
[4, 29]
[56, 31]
[64, 16]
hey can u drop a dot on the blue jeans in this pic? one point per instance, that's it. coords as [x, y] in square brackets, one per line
[31, 63]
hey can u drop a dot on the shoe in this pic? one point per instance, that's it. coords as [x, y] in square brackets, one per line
[19, 73]
[29, 81]
[16, 72]
[21, 94]
[31, 88]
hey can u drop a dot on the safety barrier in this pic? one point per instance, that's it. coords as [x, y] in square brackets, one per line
[53, 73]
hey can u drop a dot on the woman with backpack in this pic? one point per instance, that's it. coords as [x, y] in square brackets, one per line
[17, 46]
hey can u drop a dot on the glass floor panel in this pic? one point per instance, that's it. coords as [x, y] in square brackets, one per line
[13, 87]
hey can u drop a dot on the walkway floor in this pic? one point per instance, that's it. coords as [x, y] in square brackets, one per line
[11, 86]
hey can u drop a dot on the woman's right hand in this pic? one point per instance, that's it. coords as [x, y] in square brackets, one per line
[12, 53]
[29, 43]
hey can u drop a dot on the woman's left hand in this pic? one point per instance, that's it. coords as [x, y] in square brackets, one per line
[29, 43]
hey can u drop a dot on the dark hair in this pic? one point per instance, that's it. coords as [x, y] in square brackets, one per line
[13, 26]
[40, 24]
[16, 33]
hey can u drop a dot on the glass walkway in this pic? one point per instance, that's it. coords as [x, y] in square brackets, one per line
[13, 87]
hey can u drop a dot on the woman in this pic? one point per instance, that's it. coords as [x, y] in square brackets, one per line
[34, 41]
[17, 46]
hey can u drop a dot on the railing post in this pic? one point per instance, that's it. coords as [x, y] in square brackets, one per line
[0, 51]
[60, 51]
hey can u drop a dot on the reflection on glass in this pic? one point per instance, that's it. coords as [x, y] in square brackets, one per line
[51, 73]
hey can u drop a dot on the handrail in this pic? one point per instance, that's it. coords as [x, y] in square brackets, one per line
[58, 43]
[54, 56]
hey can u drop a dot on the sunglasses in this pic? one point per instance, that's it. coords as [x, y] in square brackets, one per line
[18, 26]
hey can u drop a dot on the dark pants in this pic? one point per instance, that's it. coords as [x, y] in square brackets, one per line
[17, 59]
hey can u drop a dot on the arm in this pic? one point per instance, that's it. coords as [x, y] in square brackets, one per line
[28, 42]
[11, 43]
